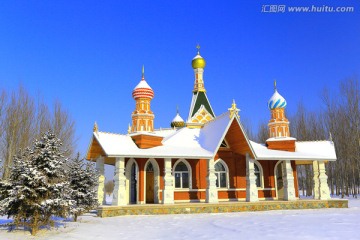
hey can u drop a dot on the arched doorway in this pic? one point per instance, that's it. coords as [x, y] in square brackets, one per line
[133, 184]
[279, 177]
[151, 182]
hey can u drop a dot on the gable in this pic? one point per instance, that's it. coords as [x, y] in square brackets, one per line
[94, 150]
[237, 139]
[201, 100]
[201, 116]
[214, 133]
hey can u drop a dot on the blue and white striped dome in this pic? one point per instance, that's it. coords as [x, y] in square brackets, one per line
[276, 101]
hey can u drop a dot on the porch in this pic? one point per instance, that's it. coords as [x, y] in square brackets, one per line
[221, 207]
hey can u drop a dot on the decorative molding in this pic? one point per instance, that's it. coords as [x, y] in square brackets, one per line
[211, 190]
[168, 191]
[119, 195]
[101, 180]
[288, 177]
[251, 188]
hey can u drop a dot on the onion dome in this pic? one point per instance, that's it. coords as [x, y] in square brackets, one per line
[276, 101]
[143, 90]
[177, 121]
[198, 61]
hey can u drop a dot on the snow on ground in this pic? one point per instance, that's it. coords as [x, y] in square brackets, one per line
[282, 224]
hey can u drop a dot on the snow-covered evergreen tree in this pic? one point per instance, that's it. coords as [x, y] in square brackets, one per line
[38, 187]
[83, 180]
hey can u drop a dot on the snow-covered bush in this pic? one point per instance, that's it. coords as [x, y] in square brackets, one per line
[83, 180]
[38, 186]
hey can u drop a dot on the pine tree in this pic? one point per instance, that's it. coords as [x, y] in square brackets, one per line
[37, 188]
[83, 180]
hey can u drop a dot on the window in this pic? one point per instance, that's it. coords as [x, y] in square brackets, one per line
[181, 174]
[257, 174]
[224, 144]
[221, 175]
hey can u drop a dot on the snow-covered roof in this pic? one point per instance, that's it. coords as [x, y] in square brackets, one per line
[311, 150]
[274, 139]
[182, 143]
[142, 84]
[203, 143]
[177, 118]
[214, 131]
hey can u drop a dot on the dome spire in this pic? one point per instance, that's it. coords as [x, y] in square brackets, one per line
[198, 48]
[143, 73]
[275, 85]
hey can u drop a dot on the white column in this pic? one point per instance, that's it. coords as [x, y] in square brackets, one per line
[288, 178]
[324, 187]
[119, 195]
[211, 190]
[101, 180]
[168, 191]
[316, 180]
[251, 188]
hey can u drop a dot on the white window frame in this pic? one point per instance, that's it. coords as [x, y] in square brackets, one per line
[261, 174]
[226, 173]
[189, 173]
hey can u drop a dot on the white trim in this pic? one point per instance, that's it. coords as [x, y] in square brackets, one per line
[220, 189]
[156, 179]
[188, 190]
[128, 176]
[275, 176]
[193, 100]
[222, 200]
[190, 201]
[189, 169]
[261, 174]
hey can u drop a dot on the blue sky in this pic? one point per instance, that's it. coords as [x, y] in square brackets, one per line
[89, 55]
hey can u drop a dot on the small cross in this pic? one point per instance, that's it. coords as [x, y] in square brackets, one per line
[198, 48]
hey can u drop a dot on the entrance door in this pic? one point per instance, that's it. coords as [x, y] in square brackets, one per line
[150, 183]
[280, 181]
[133, 185]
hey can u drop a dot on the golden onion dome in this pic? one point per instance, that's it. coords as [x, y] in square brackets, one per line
[177, 122]
[198, 61]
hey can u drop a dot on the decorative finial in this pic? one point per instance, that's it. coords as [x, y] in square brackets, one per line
[198, 48]
[95, 129]
[143, 72]
[275, 85]
[129, 129]
[233, 110]
[177, 109]
[330, 137]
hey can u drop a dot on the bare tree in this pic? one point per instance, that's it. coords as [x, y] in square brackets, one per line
[109, 187]
[24, 118]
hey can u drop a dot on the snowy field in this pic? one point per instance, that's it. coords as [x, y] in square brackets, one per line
[282, 224]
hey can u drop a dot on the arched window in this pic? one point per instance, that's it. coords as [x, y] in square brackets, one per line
[258, 174]
[181, 174]
[221, 174]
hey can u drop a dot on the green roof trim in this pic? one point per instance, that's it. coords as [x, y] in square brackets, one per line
[201, 99]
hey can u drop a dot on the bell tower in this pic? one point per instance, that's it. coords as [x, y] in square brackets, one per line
[142, 116]
[278, 124]
[279, 133]
[200, 108]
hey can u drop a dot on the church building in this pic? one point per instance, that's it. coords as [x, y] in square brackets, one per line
[206, 158]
